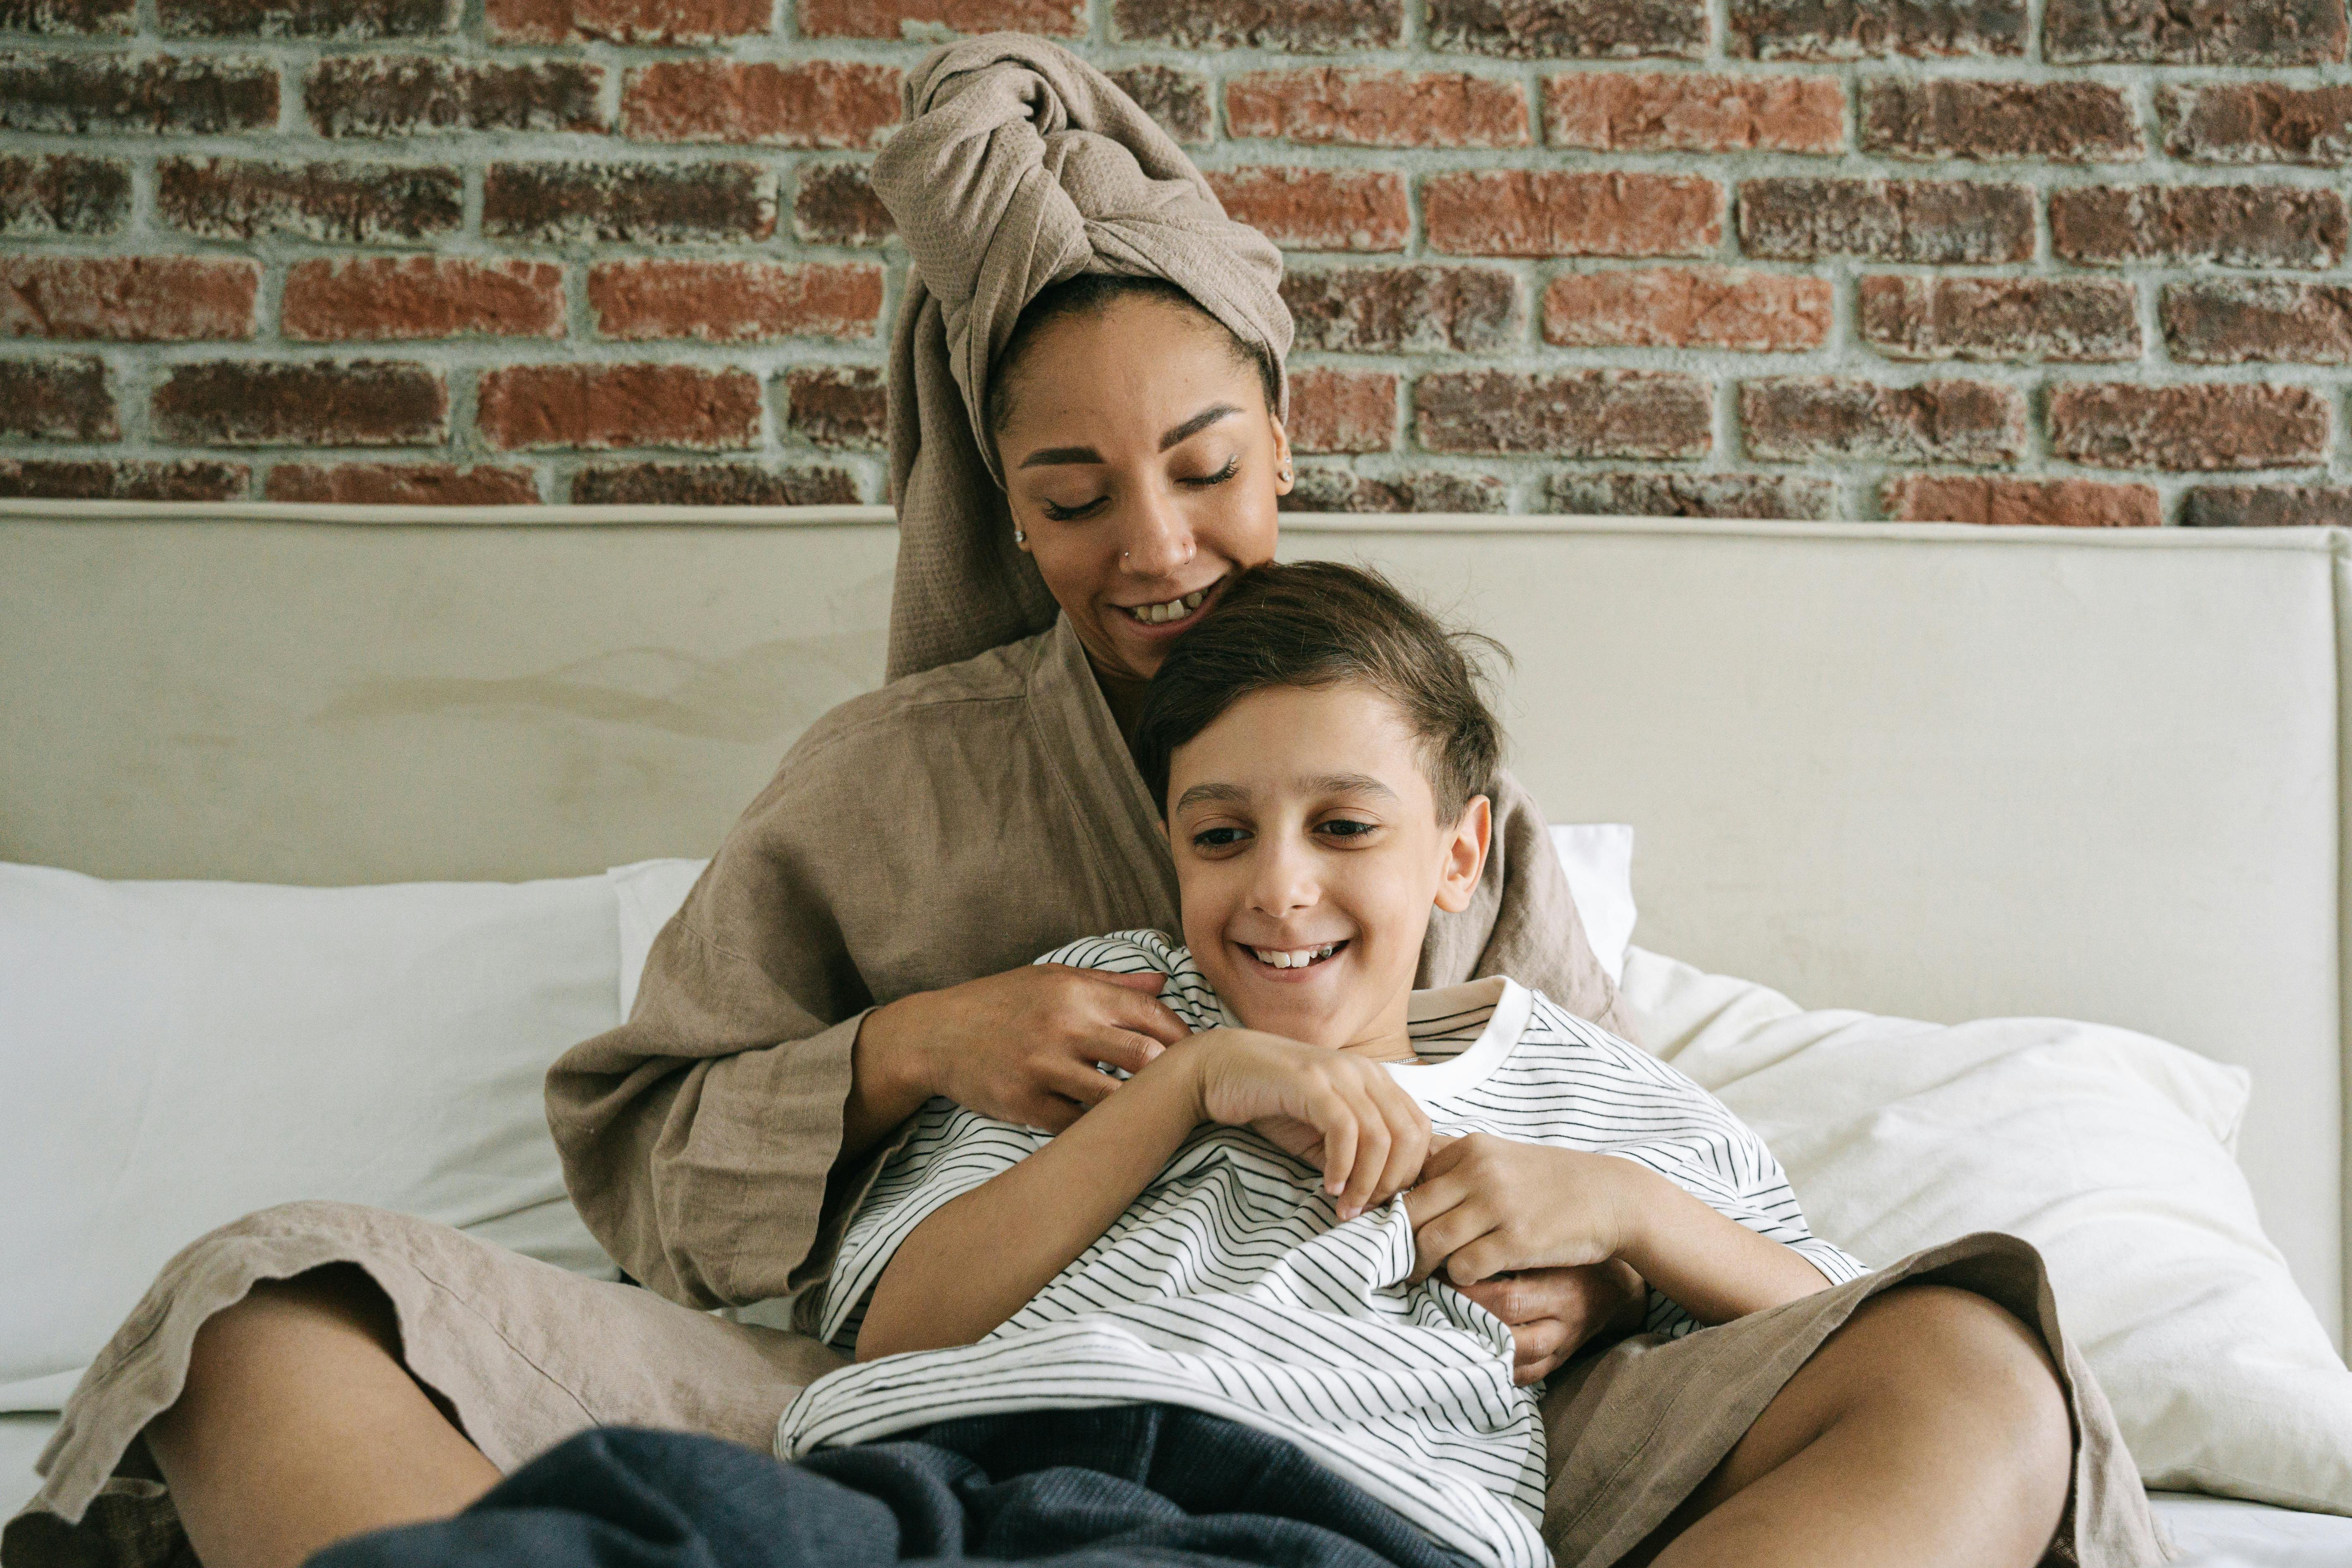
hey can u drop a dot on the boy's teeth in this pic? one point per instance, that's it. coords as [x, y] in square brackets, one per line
[1174, 610]
[1293, 958]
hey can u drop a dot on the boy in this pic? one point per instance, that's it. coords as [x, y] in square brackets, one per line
[1225, 1233]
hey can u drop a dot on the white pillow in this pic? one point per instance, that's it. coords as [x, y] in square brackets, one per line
[2108, 1150]
[1597, 856]
[177, 1053]
[1599, 859]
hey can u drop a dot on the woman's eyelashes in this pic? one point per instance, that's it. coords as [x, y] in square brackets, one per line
[1088, 508]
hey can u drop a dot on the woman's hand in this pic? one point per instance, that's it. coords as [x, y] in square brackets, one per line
[1340, 1112]
[1553, 1313]
[1489, 1205]
[1020, 1046]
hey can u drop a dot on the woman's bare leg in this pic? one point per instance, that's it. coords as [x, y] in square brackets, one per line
[1930, 1431]
[300, 1427]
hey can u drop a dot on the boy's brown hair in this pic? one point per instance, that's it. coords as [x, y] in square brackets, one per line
[1318, 623]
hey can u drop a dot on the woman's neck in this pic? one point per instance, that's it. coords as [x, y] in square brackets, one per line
[1124, 693]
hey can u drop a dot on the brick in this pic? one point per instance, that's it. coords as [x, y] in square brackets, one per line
[837, 405]
[1660, 111]
[127, 298]
[713, 484]
[1688, 307]
[1936, 221]
[2233, 225]
[628, 204]
[1402, 310]
[73, 479]
[68, 16]
[2060, 121]
[62, 399]
[1319, 209]
[400, 484]
[316, 403]
[2081, 320]
[1178, 99]
[2268, 506]
[1343, 410]
[1331, 105]
[2208, 426]
[2256, 122]
[818, 103]
[1821, 418]
[1766, 496]
[2229, 321]
[63, 193]
[928, 19]
[625, 21]
[1519, 212]
[408, 297]
[1570, 29]
[734, 302]
[334, 203]
[1296, 26]
[2164, 32]
[1578, 413]
[1876, 30]
[341, 20]
[65, 95]
[1325, 488]
[414, 95]
[599, 406]
[2034, 503]
[835, 205]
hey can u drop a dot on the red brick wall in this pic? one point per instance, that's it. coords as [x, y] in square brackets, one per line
[2067, 261]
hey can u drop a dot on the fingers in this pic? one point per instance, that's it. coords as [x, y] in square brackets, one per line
[1540, 1341]
[1135, 1004]
[1409, 1140]
[1516, 1298]
[1053, 1112]
[1121, 1048]
[1080, 1083]
[1479, 1259]
[1375, 1137]
[1337, 1119]
[1436, 1243]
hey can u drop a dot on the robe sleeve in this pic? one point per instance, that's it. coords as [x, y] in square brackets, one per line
[699, 1137]
[1523, 922]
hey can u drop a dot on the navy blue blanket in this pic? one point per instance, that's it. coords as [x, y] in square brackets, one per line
[1080, 1488]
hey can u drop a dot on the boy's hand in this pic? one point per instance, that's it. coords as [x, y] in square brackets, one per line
[1488, 1205]
[1555, 1313]
[1338, 1111]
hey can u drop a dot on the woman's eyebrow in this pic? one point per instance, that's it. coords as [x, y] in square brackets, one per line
[1195, 424]
[1049, 457]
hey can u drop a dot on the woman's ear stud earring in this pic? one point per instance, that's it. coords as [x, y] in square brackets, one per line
[1019, 537]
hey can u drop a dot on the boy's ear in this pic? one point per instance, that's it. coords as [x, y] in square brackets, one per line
[1465, 855]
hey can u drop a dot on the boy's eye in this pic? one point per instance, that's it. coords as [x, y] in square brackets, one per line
[1070, 513]
[1346, 827]
[1218, 838]
[1232, 466]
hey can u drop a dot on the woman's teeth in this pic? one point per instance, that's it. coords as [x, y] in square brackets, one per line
[1294, 957]
[1174, 610]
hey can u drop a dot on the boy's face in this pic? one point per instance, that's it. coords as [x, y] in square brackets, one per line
[1308, 855]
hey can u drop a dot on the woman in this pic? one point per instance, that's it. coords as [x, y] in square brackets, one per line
[1076, 476]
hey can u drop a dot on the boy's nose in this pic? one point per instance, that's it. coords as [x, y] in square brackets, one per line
[1284, 883]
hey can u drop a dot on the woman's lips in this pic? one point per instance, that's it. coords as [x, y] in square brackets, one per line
[1193, 604]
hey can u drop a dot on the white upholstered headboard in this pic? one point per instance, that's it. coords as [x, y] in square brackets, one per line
[1942, 772]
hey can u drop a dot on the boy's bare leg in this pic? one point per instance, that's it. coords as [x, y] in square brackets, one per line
[1930, 1431]
[300, 1427]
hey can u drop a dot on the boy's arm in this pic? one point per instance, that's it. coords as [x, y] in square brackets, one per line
[978, 1259]
[1489, 1205]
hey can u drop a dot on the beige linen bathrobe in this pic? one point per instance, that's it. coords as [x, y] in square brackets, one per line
[976, 812]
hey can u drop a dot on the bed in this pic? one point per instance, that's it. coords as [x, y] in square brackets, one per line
[1940, 772]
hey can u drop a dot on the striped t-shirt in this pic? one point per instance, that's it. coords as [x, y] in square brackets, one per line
[1229, 1285]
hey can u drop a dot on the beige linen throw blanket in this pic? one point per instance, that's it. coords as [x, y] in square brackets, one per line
[953, 825]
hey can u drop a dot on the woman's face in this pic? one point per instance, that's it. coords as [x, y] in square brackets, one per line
[1142, 463]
